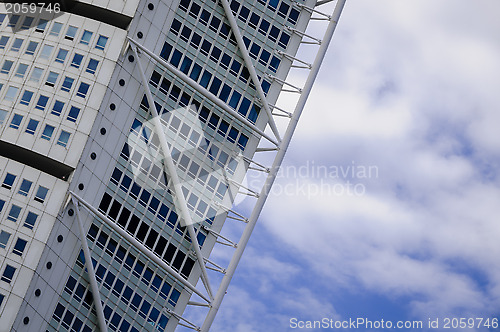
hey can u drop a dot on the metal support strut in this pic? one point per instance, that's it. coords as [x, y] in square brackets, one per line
[251, 68]
[139, 246]
[274, 170]
[101, 322]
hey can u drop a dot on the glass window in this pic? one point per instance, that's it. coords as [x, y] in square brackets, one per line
[52, 78]
[71, 32]
[57, 108]
[82, 90]
[67, 84]
[92, 66]
[2, 203]
[41, 193]
[26, 98]
[264, 27]
[30, 220]
[25, 187]
[86, 37]
[13, 21]
[14, 213]
[16, 121]
[46, 51]
[8, 181]
[36, 74]
[3, 42]
[101, 42]
[11, 93]
[56, 29]
[61, 55]
[4, 238]
[63, 138]
[32, 125]
[30, 50]
[42, 102]
[73, 114]
[19, 246]
[7, 65]
[47, 135]
[8, 274]
[16, 45]
[27, 23]
[42, 24]
[21, 70]
[3, 115]
[77, 60]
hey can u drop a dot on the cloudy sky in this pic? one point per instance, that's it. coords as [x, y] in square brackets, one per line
[410, 89]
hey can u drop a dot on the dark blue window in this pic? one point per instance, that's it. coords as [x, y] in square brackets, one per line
[274, 33]
[215, 23]
[245, 105]
[215, 55]
[42, 102]
[205, 79]
[273, 4]
[284, 39]
[175, 27]
[254, 113]
[176, 58]
[165, 52]
[195, 40]
[186, 65]
[242, 142]
[294, 15]
[226, 59]
[264, 26]
[205, 16]
[195, 73]
[275, 62]
[224, 94]
[235, 98]
[233, 133]
[215, 86]
[82, 90]
[136, 301]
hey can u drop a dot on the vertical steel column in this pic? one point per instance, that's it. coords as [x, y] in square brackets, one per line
[274, 170]
[90, 271]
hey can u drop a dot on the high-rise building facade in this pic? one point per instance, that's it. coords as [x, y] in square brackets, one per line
[126, 131]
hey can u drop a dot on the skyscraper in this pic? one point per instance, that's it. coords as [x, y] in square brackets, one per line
[126, 131]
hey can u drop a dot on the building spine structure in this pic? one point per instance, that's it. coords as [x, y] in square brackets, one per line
[127, 128]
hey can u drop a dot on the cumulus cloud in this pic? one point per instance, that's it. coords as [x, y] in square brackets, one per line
[410, 87]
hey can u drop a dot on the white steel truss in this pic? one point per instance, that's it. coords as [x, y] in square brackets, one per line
[280, 146]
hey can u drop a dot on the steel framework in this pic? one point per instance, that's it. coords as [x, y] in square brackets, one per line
[280, 146]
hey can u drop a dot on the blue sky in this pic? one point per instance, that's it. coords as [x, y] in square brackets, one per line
[410, 87]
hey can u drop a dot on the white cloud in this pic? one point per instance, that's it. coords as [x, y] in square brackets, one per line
[411, 87]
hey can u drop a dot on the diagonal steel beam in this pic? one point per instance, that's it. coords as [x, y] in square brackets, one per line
[204, 92]
[101, 322]
[139, 246]
[169, 164]
[250, 66]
